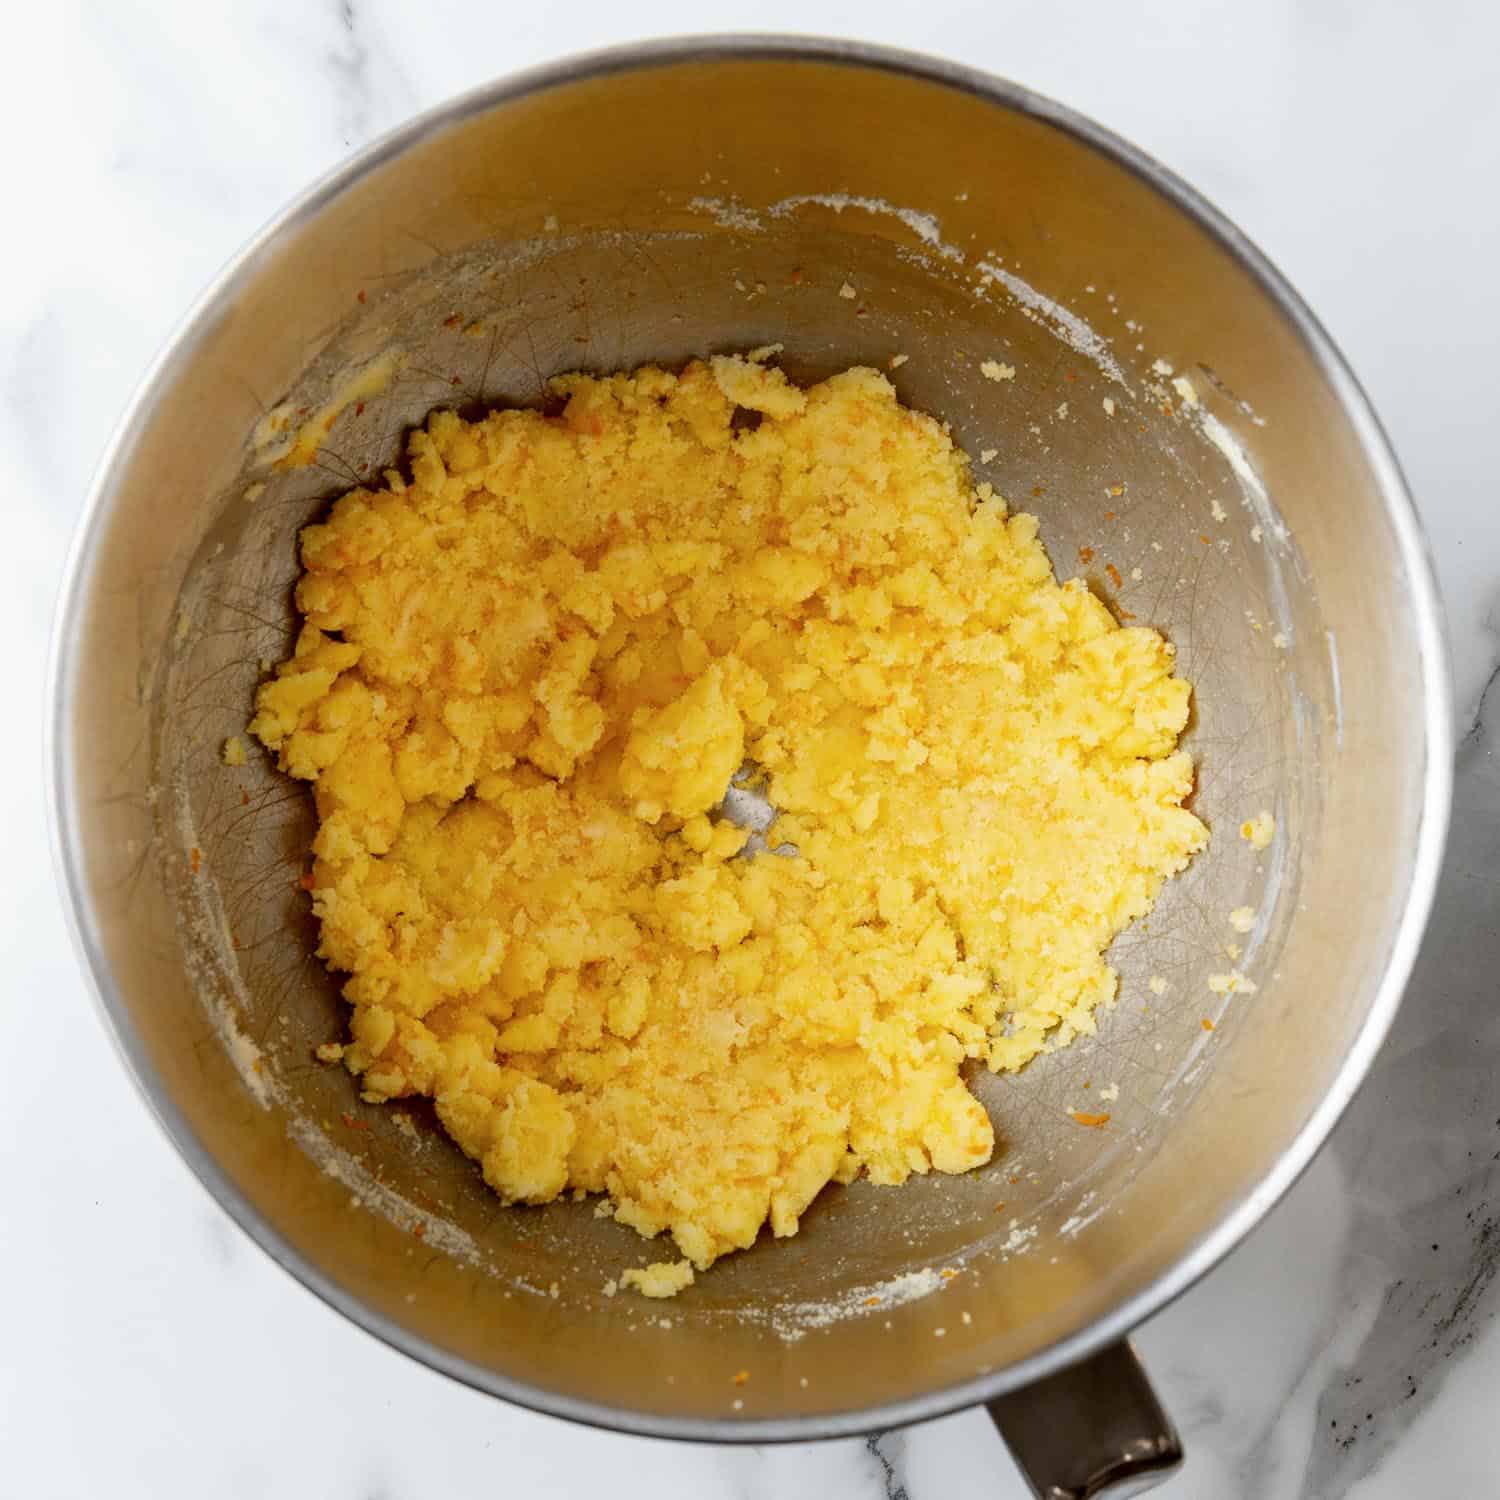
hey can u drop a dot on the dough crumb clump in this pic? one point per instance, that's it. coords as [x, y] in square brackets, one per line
[524, 678]
[1259, 830]
[1232, 983]
[660, 1279]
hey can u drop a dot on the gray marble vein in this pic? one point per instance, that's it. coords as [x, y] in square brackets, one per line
[1421, 1145]
[369, 82]
[888, 1451]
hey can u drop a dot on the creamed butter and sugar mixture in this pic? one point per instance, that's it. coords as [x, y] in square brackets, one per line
[525, 679]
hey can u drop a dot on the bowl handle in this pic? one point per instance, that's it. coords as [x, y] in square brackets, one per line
[1095, 1428]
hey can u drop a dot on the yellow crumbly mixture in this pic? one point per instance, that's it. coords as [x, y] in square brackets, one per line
[527, 675]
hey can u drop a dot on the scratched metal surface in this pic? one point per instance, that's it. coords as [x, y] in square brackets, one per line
[1136, 492]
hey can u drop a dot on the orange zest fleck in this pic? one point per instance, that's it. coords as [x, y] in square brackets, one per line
[1202, 538]
[195, 858]
[1085, 555]
[306, 881]
[1000, 1207]
[1114, 575]
[741, 1377]
[1092, 1121]
[1207, 1024]
[359, 296]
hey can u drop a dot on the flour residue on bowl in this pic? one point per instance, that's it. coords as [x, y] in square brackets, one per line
[367, 1191]
[792, 1321]
[1063, 322]
[1087, 1210]
[924, 225]
[1252, 487]
[795, 1320]
[729, 213]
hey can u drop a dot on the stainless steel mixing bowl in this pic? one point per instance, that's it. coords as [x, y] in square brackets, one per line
[674, 200]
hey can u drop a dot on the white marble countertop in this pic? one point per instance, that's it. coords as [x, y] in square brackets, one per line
[1350, 1347]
